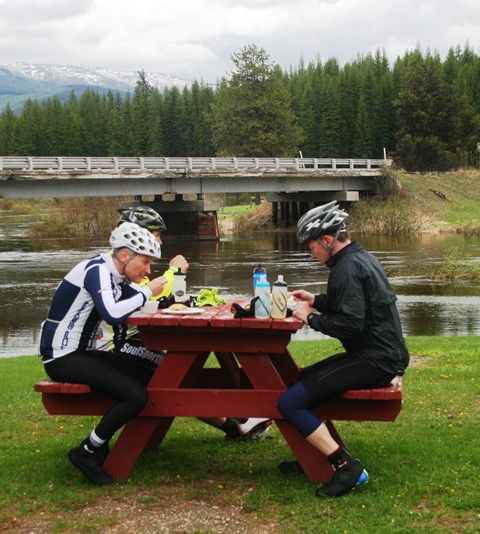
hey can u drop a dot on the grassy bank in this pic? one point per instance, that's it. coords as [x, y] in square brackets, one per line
[448, 200]
[427, 202]
[424, 467]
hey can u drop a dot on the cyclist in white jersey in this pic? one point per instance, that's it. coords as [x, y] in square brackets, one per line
[104, 287]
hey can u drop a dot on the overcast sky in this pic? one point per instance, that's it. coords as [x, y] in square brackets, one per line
[194, 38]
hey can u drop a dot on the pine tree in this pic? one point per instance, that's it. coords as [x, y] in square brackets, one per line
[113, 126]
[30, 131]
[73, 145]
[252, 110]
[55, 132]
[329, 121]
[8, 125]
[348, 96]
[156, 139]
[126, 120]
[91, 109]
[171, 123]
[433, 120]
[141, 118]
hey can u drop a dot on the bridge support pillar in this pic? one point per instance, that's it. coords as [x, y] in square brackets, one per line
[275, 214]
[293, 205]
[295, 211]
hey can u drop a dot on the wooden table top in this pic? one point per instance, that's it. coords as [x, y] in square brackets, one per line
[213, 317]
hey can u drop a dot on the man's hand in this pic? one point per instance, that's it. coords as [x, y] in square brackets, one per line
[157, 285]
[179, 261]
[302, 311]
[305, 296]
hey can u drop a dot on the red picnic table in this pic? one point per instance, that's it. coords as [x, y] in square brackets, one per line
[255, 367]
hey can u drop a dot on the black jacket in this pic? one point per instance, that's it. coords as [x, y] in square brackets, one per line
[359, 309]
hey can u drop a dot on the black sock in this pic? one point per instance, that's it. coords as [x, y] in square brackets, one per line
[230, 427]
[339, 457]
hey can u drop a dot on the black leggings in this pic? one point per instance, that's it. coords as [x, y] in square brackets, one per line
[110, 374]
[324, 380]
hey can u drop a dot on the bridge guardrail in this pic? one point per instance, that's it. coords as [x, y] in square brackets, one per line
[118, 164]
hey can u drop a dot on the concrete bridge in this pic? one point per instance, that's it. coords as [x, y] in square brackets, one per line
[291, 184]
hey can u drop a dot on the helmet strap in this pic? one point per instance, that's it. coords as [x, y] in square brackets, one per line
[330, 247]
[126, 262]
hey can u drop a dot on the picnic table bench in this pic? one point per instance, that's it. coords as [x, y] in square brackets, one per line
[255, 367]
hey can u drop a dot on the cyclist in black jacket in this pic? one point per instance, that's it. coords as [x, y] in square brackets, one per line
[358, 309]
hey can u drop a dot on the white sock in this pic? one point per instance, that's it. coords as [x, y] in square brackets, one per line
[96, 441]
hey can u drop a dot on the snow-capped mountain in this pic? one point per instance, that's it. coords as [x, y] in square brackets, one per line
[93, 76]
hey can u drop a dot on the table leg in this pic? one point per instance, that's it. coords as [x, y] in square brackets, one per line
[228, 364]
[261, 371]
[189, 377]
[267, 371]
[314, 463]
[164, 423]
[286, 367]
[148, 432]
[130, 444]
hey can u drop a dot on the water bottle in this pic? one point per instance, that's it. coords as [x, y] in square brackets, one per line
[179, 286]
[262, 291]
[257, 272]
[279, 298]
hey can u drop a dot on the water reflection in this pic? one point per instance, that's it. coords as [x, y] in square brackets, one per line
[30, 272]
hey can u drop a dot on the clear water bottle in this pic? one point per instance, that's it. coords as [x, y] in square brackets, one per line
[179, 286]
[262, 291]
[257, 272]
[279, 298]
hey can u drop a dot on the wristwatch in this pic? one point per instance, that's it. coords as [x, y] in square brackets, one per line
[309, 316]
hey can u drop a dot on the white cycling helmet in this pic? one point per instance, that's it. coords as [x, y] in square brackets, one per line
[135, 238]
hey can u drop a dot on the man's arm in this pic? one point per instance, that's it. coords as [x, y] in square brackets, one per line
[175, 263]
[314, 301]
[344, 307]
[98, 284]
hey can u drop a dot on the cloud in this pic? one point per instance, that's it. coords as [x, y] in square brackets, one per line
[194, 39]
[25, 12]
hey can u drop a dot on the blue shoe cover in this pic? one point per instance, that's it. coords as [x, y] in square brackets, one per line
[363, 478]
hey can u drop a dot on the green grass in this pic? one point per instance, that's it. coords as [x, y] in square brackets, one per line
[234, 212]
[20, 210]
[450, 197]
[424, 468]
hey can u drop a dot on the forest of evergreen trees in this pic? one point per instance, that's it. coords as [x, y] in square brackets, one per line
[423, 110]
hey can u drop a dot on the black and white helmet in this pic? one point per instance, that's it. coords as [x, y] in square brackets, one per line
[322, 220]
[135, 238]
[144, 216]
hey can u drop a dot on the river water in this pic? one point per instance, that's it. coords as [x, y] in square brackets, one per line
[30, 271]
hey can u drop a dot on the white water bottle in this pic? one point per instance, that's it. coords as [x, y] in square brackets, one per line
[179, 286]
[262, 291]
[279, 298]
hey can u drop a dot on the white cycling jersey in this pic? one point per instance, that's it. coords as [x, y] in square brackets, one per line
[93, 290]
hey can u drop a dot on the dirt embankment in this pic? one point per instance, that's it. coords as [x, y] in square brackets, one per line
[260, 217]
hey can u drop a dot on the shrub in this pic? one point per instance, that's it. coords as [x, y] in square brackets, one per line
[389, 217]
[425, 154]
[79, 217]
[455, 265]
